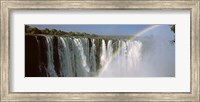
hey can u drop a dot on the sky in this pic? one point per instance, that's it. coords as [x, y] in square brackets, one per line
[100, 29]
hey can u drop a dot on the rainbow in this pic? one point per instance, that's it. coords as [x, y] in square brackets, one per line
[130, 39]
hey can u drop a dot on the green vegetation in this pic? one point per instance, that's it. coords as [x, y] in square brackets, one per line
[173, 29]
[34, 30]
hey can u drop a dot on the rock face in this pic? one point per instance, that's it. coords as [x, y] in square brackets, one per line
[31, 57]
[35, 56]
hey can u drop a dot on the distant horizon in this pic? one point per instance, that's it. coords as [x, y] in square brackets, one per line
[103, 29]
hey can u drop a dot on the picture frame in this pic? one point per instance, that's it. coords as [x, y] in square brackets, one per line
[7, 6]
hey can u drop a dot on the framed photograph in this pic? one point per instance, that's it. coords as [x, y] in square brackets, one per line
[63, 50]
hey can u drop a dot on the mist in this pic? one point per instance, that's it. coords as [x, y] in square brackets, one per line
[149, 55]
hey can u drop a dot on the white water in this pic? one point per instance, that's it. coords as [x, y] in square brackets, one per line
[81, 63]
[93, 69]
[103, 53]
[125, 61]
[109, 50]
[65, 57]
[50, 67]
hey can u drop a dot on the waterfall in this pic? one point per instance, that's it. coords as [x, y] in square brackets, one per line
[109, 50]
[51, 71]
[65, 56]
[81, 59]
[103, 53]
[93, 59]
[125, 61]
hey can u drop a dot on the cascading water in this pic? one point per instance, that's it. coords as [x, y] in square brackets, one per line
[50, 67]
[148, 55]
[109, 50]
[125, 61]
[93, 66]
[103, 53]
[65, 57]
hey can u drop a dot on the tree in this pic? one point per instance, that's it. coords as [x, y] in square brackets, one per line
[27, 27]
[71, 33]
[35, 30]
[173, 29]
[94, 35]
[46, 31]
[54, 31]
